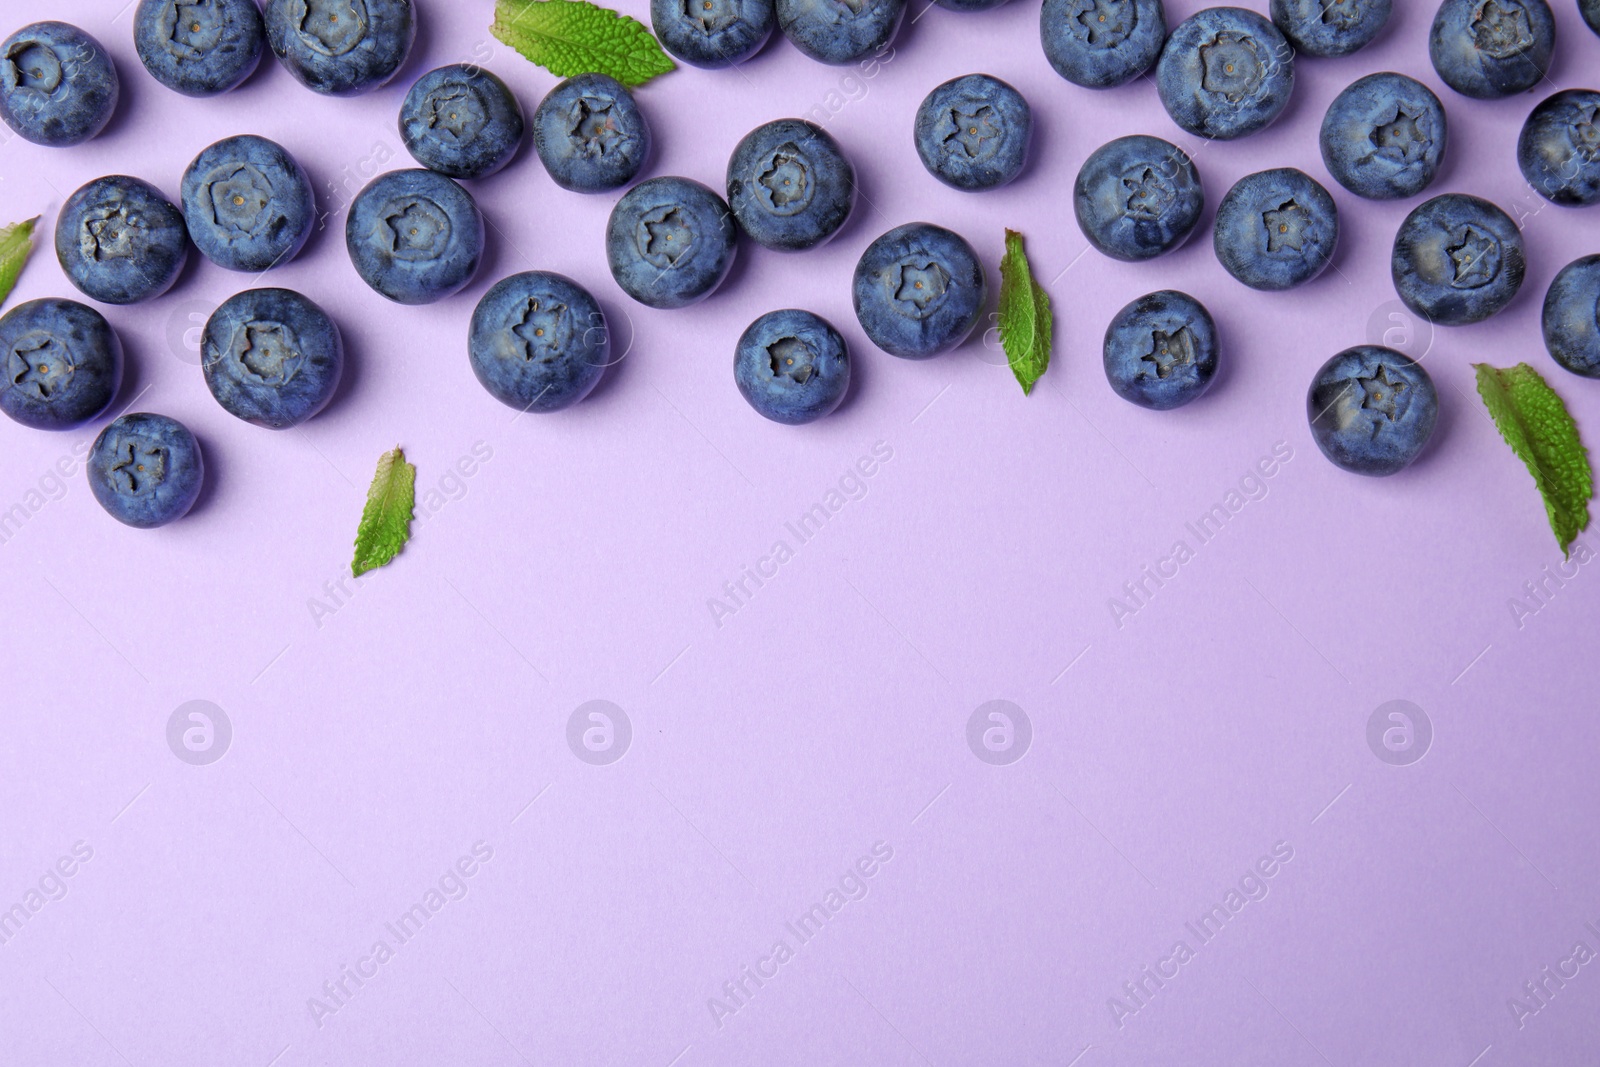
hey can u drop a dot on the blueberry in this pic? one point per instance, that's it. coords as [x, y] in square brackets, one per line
[415, 236]
[1138, 197]
[1492, 48]
[670, 242]
[271, 357]
[538, 341]
[790, 185]
[1572, 317]
[1099, 44]
[146, 470]
[120, 240]
[590, 134]
[968, 5]
[1590, 9]
[1384, 136]
[712, 33]
[918, 290]
[1224, 73]
[199, 47]
[461, 121]
[1276, 229]
[341, 47]
[1559, 150]
[58, 86]
[792, 366]
[1458, 259]
[60, 363]
[1161, 350]
[840, 31]
[248, 204]
[1372, 410]
[974, 132]
[1330, 28]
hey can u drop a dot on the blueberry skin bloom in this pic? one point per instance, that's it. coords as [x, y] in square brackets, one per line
[590, 134]
[670, 242]
[146, 470]
[1372, 410]
[58, 86]
[792, 366]
[1329, 28]
[1590, 10]
[1490, 49]
[1276, 230]
[271, 357]
[415, 236]
[973, 132]
[790, 185]
[1161, 351]
[1099, 44]
[248, 204]
[840, 31]
[1384, 137]
[461, 121]
[199, 47]
[538, 341]
[918, 290]
[712, 33]
[1225, 73]
[60, 363]
[1138, 197]
[121, 241]
[1572, 317]
[341, 47]
[1458, 259]
[1559, 149]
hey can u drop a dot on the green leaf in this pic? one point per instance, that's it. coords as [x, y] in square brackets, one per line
[568, 37]
[16, 242]
[1025, 320]
[386, 520]
[1537, 426]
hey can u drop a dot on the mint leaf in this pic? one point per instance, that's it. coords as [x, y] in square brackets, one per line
[1025, 320]
[386, 520]
[1537, 426]
[568, 37]
[16, 242]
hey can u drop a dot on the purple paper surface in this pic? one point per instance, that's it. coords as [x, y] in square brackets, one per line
[805, 755]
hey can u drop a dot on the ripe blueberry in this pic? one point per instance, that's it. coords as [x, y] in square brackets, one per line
[538, 341]
[58, 86]
[918, 290]
[1102, 43]
[670, 242]
[341, 47]
[1276, 229]
[1384, 136]
[271, 357]
[248, 204]
[1572, 317]
[1224, 73]
[1161, 350]
[1458, 259]
[199, 48]
[146, 470]
[840, 31]
[1492, 48]
[1138, 197]
[60, 363]
[121, 241]
[590, 134]
[461, 121]
[973, 132]
[415, 236]
[792, 366]
[712, 33]
[1330, 27]
[1372, 410]
[1559, 149]
[790, 185]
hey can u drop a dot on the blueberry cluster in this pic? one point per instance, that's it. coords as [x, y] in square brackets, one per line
[538, 341]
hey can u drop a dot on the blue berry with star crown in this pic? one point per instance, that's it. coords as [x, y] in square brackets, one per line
[1372, 410]
[792, 366]
[1161, 350]
[1225, 73]
[1138, 197]
[1384, 137]
[1489, 49]
[712, 33]
[1571, 317]
[248, 204]
[790, 185]
[415, 236]
[840, 31]
[60, 363]
[1330, 28]
[58, 85]
[974, 132]
[918, 290]
[1559, 148]
[1276, 229]
[538, 342]
[121, 241]
[341, 47]
[461, 121]
[199, 47]
[1099, 44]
[271, 357]
[590, 134]
[146, 470]
[670, 242]
[1458, 260]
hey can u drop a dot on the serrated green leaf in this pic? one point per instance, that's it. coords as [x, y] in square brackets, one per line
[1025, 320]
[570, 37]
[1535, 423]
[16, 242]
[386, 519]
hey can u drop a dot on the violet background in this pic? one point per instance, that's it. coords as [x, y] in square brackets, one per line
[374, 745]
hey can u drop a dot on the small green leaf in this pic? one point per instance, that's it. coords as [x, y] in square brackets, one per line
[386, 520]
[16, 242]
[1537, 426]
[569, 37]
[1025, 320]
